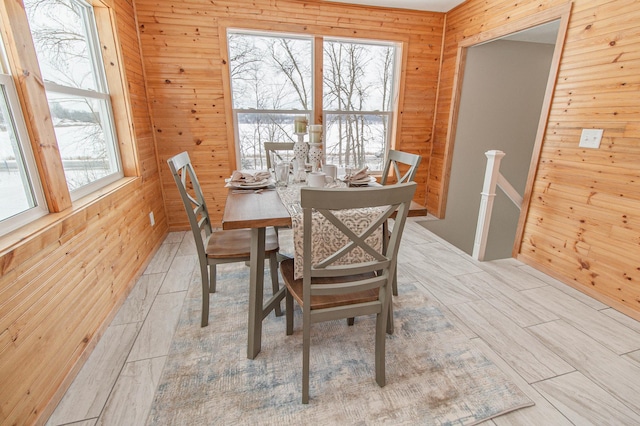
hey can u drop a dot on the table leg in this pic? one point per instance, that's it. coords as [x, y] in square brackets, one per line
[256, 284]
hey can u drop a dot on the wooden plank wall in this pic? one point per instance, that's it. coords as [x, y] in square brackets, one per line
[182, 51]
[583, 225]
[60, 285]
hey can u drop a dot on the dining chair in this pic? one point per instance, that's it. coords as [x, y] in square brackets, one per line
[404, 166]
[273, 148]
[329, 290]
[215, 247]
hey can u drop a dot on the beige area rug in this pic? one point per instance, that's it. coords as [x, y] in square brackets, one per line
[434, 375]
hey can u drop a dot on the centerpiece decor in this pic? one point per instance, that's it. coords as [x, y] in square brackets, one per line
[315, 147]
[300, 149]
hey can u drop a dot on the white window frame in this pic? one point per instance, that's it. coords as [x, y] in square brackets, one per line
[40, 209]
[390, 114]
[103, 96]
[293, 112]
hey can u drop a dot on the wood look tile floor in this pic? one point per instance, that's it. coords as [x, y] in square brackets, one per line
[576, 358]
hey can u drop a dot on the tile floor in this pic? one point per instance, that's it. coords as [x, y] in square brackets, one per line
[576, 358]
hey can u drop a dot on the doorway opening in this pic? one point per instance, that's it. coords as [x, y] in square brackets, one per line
[504, 90]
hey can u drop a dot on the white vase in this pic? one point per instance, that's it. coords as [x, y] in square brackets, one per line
[315, 156]
[300, 151]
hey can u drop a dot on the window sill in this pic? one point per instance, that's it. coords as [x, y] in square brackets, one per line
[46, 223]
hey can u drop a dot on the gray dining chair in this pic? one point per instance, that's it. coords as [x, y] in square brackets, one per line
[274, 147]
[404, 166]
[216, 247]
[331, 291]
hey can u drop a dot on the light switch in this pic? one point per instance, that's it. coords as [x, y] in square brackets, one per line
[591, 138]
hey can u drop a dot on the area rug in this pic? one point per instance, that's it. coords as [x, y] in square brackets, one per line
[434, 375]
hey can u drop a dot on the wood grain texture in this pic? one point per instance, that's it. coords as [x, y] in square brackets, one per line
[582, 226]
[185, 57]
[63, 276]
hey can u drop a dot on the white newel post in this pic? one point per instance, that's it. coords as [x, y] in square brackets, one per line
[486, 202]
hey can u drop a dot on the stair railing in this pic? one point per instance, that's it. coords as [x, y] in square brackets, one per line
[492, 178]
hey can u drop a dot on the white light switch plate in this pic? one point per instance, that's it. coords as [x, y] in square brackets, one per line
[591, 138]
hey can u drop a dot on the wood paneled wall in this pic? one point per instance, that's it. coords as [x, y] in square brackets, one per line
[60, 285]
[183, 45]
[583, 223]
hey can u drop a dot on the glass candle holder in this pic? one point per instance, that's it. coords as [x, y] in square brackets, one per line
[300, 124]
[315, 133]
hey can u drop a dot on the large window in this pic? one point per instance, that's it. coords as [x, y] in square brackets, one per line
[272, 79]
[20, 191]
[358, 90]
[66, 42]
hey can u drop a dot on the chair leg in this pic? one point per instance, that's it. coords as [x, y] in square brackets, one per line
[306, 343]
[212, 278]
[394, 285]
[275, 286]
[205, 296]
[390, 317]
[381, 321]
[289, 312]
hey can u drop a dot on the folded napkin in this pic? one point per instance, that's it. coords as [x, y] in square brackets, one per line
[245, 177]
[357, 175]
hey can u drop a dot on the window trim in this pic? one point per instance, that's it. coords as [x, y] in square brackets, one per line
[101, 95]
[40, 209]
[318, 113]
[22, 64]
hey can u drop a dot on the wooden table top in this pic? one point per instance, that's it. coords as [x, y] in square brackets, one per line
[251, 210]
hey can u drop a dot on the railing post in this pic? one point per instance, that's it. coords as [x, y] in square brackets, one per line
[486, 202]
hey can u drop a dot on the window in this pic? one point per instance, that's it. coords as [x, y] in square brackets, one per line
[272, 79]
[66, 43]
[20, 190]
[271, 83]
[358, 91]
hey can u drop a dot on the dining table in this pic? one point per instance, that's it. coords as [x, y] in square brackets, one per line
[258, 210]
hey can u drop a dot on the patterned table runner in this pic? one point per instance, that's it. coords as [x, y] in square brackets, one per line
[326, 239]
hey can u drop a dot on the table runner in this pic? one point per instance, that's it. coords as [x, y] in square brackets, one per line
[326, 239]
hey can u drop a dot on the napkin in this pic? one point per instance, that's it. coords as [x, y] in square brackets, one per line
[245, 177]
[357, 175]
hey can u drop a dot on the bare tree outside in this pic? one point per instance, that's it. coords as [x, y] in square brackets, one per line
[272, 80]
[271, 84]
[357, 91]
[64, 36]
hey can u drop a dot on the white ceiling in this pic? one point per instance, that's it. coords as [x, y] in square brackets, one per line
[429, 5]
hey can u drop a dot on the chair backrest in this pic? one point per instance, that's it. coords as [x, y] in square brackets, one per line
[334, 206]
[397, 158]
[273, 148]
[192, 198]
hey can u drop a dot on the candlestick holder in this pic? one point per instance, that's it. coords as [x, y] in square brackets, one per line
[315, 147]
[315, 156]
[300, 151]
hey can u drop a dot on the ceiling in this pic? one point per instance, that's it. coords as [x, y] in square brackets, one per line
[429, 5]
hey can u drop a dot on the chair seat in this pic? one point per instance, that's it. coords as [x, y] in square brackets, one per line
[237, 243]
[322, 302]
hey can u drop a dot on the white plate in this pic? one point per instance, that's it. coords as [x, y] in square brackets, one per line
[254, 185]
[363, 181]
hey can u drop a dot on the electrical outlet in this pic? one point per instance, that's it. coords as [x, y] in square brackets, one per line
[591, 138]
[152, 219]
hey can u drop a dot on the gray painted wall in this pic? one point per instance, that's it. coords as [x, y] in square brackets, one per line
[500, 105]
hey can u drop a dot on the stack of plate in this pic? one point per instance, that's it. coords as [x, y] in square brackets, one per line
[360, 182]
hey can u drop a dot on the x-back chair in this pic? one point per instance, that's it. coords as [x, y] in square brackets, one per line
[215, 247]
[328, 291]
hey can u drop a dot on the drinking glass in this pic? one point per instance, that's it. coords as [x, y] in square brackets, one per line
[282, 174]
